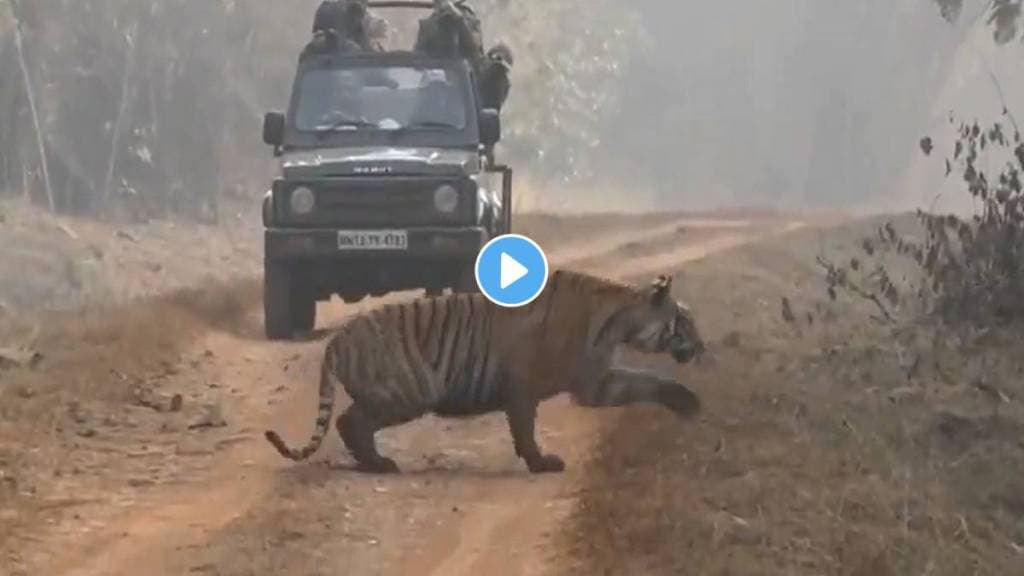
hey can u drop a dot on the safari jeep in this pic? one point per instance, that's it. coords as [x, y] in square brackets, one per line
[386, 183]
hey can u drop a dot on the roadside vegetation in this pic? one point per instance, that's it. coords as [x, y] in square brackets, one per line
[866, 412]
[139, 110]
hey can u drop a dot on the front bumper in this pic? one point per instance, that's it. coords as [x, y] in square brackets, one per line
[322, 243]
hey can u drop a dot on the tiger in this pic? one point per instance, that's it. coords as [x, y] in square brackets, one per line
[459, 355]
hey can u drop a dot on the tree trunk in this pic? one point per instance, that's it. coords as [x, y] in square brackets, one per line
[115, 137]
[27, 79]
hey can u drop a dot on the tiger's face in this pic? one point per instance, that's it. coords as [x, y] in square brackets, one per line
[664, 325]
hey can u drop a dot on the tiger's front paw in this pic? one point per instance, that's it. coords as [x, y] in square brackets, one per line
[545, 463]
[679, 399]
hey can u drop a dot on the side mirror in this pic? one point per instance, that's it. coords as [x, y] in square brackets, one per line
[273, 128]
[490, 127]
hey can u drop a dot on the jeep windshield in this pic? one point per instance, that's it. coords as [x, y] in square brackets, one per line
[395, 99]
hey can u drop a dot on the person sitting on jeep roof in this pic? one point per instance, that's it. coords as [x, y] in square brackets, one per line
[493, 78]
[453, 31]
[346, 26]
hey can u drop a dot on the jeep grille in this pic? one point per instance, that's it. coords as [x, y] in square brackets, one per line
[368, 202]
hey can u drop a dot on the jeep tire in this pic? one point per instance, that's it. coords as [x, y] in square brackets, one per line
[465, 280]
[289, 305]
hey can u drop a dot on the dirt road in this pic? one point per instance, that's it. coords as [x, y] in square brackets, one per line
[206, 495]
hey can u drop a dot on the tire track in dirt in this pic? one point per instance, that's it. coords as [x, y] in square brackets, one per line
[503, 517]
[578, 252]
[237, 483]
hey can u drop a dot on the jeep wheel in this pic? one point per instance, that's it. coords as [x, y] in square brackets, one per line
[303, 303]
[465, 282]
[288, 302]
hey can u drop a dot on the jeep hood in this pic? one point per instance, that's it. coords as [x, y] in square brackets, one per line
[378, 161]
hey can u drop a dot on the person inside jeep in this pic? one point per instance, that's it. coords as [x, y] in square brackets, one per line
[439, 104]
[330, 101]
[353, 98]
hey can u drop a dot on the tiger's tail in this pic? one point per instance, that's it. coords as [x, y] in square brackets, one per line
[323, 418]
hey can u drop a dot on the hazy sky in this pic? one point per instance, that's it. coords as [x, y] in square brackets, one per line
[780, 102]
[790, 102]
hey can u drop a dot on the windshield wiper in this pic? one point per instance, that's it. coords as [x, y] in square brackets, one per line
[344, 123]
[423, 125]
[430, 124]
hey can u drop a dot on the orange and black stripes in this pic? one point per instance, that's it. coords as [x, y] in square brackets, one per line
[450, 356]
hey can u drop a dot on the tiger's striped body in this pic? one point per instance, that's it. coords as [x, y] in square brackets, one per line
[461, 355]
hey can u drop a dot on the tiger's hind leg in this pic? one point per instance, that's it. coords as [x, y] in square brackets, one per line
[357, 428]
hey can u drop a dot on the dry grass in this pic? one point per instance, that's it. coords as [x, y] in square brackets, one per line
[90, 354]
[820, 451]
[69, 263]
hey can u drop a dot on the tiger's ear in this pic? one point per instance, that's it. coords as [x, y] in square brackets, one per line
[661, 288]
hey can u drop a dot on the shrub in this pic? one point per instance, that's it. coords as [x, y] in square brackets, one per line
[971, 267]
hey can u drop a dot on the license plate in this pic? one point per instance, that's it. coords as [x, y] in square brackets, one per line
[373, 240]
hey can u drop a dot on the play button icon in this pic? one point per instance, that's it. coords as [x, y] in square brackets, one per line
[511, 270]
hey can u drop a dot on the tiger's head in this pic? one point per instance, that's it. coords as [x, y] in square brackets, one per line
[662, 324]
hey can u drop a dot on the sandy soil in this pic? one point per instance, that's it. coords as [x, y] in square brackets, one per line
[129, 474]
[137, 441]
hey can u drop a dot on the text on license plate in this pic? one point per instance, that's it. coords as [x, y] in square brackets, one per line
[373, 240]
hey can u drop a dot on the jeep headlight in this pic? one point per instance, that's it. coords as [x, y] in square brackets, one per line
[446, 199]
[301, 201]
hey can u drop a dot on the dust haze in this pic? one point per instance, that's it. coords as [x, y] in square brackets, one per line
[136, 375]
[149, 110]
[800, 103]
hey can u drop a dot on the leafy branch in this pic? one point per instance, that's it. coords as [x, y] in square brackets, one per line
[839, 278]
[1004, 16]
[972, 268]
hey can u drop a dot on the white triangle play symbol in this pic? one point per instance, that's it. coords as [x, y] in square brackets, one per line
[511, 271]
